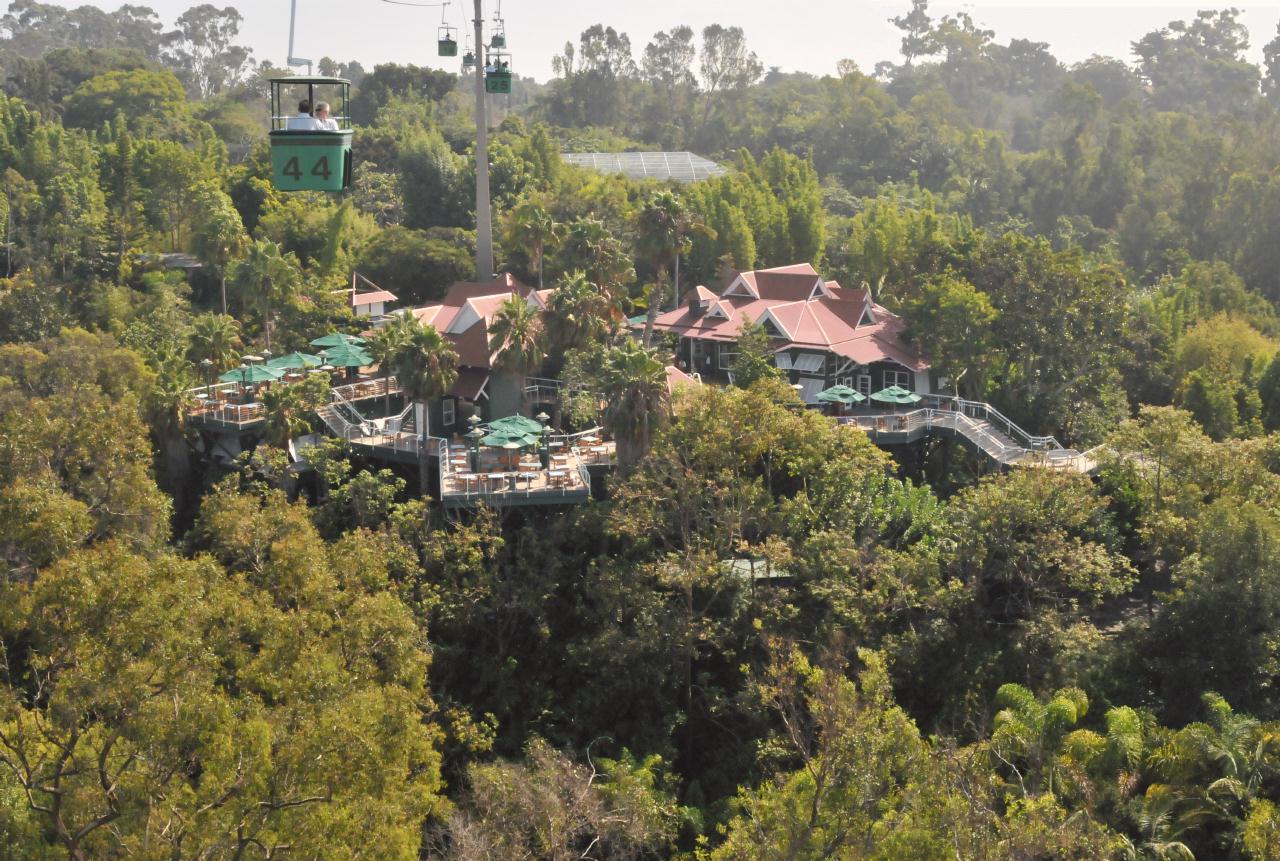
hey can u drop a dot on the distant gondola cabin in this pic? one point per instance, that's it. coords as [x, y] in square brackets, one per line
[446, 44]
[497, 77]
[310, 153]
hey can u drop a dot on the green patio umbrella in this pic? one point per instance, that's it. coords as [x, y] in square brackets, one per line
[295, 362]
[347, 356]
[841, 395]
[336, 339]
[895, 395]
[251, 374]
[516, 424]
[509, 439]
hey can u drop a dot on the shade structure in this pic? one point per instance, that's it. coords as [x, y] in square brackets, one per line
[841, 395]
[895, 395]
[295, 362]
[516, 424]
[251, 374]
[347, 356]
[336, 339]
[509, 439]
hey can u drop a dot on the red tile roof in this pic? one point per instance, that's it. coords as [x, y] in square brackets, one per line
[830, 321]
[465, 313]
[677, 377]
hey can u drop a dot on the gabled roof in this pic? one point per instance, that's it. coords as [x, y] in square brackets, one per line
[808, 313]
[467, 310]
[677, 377]
[358, 299]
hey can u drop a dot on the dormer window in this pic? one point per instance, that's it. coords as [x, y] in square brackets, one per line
[868, 319]
[740, 287]
[772, 328]
[819, 290]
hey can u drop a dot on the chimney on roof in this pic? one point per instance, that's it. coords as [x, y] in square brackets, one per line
[697, 305]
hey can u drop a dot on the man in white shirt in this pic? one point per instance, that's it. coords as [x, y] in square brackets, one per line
[324, 122]
[303, 122]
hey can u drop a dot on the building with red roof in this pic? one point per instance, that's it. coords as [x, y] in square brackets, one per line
[822, 334]
[463, 317]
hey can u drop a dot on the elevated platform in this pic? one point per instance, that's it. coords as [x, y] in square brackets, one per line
[976, 425]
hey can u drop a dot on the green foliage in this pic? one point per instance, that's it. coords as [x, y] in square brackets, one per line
[413, 264]
[149, 100]
[754, 356]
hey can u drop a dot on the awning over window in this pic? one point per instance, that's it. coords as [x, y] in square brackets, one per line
[810, 386]
[805, 363]
[808, 363]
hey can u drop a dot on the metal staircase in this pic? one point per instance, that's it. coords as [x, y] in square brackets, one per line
[981, 425]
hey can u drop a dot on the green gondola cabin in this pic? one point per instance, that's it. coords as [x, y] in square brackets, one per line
[446, 44]
[497, 76]
[310, 153]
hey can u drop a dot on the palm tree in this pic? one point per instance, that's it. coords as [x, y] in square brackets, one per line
[516, 337]
[265, 279]
[531, 227]
[384, 344]
[664, 228]
[426, 367]
[634, 385]
[588, 245]
[577, 314]
[215, 337]
[290, 408]
[169, 402]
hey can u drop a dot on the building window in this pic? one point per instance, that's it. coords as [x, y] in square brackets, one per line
[898, 378]
[846, 381]
[864, 385]
[447, 413]
[727, 359]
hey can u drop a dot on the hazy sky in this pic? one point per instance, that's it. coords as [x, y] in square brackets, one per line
[808, 37]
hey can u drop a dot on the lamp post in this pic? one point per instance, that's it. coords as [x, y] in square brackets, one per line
[474, 436]
[206, 366]
[544, 447]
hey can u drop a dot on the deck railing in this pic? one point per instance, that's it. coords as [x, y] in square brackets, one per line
[984, 411]
[365, 389]
[232, 414]
[967, 418]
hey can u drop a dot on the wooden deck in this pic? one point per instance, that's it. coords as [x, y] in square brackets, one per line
[506, 480]
[225, 407]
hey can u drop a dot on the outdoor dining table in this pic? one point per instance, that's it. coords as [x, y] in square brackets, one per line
[466, 478]
[529, 466]
[599, 450]
[557, 477]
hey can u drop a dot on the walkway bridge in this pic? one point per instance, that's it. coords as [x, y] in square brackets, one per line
[975, 424]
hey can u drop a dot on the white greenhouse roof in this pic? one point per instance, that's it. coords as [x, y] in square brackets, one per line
[680, 166]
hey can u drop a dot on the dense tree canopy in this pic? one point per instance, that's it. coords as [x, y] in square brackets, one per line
[764, 637]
